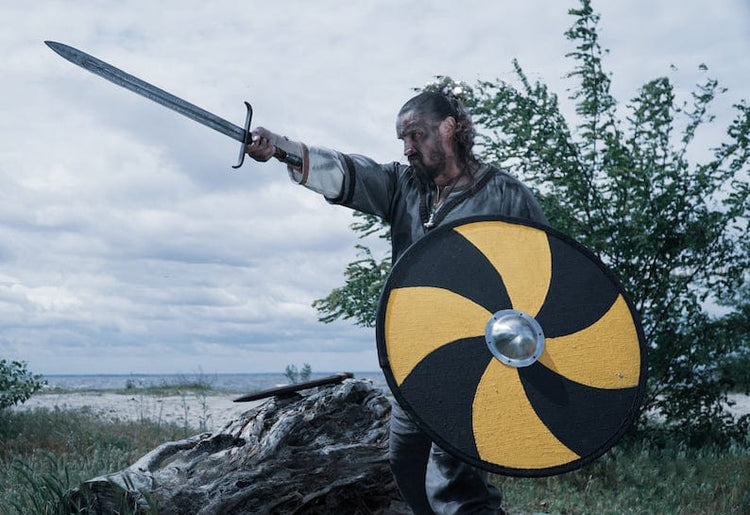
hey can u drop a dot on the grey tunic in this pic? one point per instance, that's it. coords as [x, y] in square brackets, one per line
[393, 192]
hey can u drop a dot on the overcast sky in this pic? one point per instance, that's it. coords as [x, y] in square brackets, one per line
[128, 243]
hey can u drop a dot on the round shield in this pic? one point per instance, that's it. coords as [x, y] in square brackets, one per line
[512, 346]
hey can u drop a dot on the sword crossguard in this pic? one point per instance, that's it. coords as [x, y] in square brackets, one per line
[246, 140]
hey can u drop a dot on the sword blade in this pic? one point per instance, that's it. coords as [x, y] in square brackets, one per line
[143, 88]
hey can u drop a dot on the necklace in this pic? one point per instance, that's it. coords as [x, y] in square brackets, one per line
[439, 200]
[440, 197]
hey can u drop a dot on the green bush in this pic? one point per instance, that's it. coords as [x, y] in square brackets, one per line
[17, 384]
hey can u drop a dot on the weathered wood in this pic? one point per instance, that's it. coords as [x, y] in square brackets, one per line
[325, 452]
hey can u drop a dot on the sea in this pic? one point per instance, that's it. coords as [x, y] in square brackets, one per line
[237, 383]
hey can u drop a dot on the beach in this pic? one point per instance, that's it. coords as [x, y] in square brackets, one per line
[164, 398]
[206, 412]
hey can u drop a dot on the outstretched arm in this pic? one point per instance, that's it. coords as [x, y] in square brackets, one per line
[318, 169]
[352, 180]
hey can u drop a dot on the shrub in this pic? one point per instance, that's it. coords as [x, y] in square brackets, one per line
[17, 384]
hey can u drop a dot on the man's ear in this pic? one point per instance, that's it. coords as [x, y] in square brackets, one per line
[447, 127]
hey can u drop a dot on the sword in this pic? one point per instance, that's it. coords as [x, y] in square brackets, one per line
[143, 88]
[291, 388]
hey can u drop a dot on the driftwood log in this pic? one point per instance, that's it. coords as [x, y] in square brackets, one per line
[323, 452]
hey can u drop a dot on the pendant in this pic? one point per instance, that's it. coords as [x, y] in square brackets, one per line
[430, 223]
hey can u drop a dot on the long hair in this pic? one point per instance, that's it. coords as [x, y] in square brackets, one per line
[437, 107]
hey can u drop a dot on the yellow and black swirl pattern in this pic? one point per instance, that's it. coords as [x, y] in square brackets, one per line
[552, 416]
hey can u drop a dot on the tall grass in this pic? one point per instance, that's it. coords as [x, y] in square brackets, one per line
[643, 479]
[45, 452]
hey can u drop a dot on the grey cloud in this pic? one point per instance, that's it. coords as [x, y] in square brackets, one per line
[129, 244]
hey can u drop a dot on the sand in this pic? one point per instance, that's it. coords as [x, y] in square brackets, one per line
[209, 412]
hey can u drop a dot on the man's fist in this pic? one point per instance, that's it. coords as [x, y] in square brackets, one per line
[262, 146]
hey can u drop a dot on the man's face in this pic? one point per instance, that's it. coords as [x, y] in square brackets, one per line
[423, 144]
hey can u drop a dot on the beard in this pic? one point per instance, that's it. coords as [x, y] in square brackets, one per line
[429, 172]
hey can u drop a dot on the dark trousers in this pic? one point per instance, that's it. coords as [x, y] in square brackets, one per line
[431, 480]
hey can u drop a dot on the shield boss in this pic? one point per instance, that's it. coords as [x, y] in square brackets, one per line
[512, 346]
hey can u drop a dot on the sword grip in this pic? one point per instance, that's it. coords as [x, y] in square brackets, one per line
[286, 157]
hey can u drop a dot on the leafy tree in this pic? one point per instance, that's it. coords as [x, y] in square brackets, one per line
[17, 384]
[627, 184]
[734, 366]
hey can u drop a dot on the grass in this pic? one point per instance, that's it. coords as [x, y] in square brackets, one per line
[196, 384]
[635, 478]
[179, 385]
[44, 453]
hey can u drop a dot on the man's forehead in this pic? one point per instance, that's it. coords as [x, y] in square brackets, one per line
[409, 120]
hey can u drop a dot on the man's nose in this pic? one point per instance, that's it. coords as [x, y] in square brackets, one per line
[409, 149]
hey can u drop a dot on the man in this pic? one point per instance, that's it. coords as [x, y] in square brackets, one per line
[443, 182]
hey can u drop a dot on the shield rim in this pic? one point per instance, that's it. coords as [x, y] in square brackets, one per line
[440, 440]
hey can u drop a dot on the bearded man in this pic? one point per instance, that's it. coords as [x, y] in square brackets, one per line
[443, 182]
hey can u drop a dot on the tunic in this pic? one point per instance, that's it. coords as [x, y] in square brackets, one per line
[431, 480]
[394, 193]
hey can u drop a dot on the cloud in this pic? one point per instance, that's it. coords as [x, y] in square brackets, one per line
[128, 244]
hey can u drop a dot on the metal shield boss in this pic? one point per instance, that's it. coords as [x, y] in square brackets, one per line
[512, 346]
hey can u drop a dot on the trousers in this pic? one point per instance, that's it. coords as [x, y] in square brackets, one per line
[432, 481]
